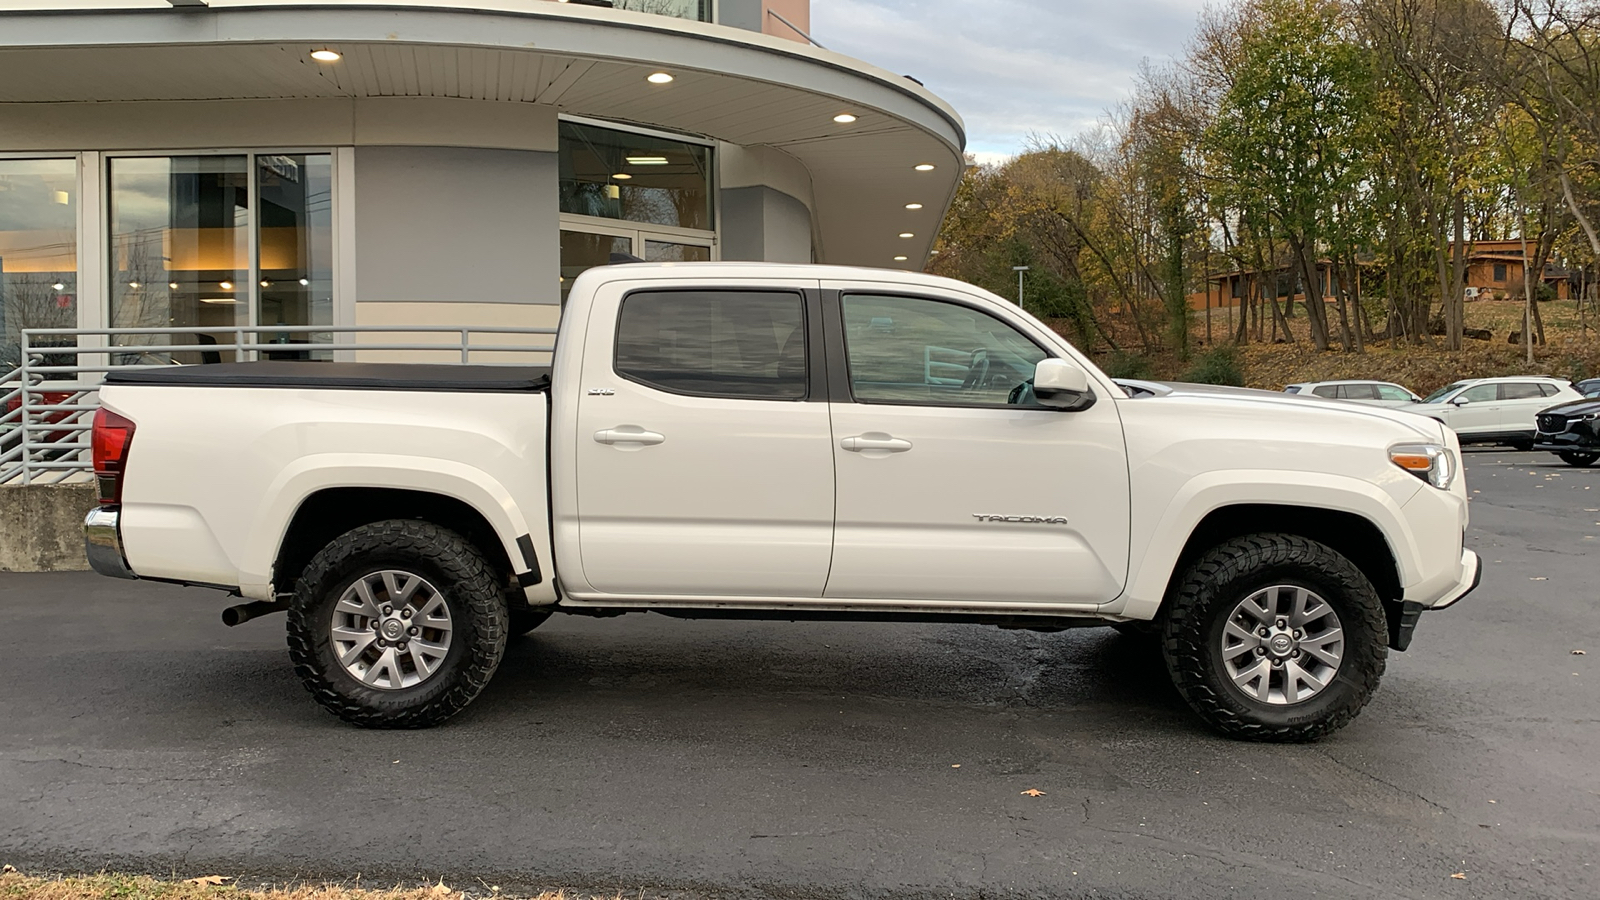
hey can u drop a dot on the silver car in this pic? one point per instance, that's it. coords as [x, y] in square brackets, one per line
[1376, 393]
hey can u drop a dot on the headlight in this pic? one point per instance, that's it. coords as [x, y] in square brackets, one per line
[1432, 463]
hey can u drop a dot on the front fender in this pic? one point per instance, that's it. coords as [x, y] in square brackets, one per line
[1153, 564]
[309, 474]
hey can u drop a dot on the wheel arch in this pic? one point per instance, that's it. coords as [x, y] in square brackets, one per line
[327, 513]
[1353, 536]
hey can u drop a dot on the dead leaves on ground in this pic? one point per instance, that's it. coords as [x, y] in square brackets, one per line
[1033, 792]
[204, 880]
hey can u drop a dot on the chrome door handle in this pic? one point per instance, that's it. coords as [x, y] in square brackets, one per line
[874, 440]
[627, 434]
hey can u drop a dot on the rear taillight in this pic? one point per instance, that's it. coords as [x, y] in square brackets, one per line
[110, 440]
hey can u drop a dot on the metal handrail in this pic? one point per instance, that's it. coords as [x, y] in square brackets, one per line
[45, 409]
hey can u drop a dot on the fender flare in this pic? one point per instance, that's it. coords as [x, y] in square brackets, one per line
[1208, 492]
[310, 474]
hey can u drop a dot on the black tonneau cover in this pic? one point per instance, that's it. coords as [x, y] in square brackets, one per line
[345, 377]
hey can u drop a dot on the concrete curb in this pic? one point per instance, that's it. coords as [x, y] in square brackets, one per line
[41, 526]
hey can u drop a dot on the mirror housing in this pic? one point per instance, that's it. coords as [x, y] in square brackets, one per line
[1062, 384]
[1460, 401]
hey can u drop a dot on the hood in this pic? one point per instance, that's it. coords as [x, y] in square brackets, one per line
[1427, 427]
[1585, 407]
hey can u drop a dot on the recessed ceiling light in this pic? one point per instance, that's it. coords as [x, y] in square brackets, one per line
[658, 78]
[913, 206]
[844, 118]
[923, 167]
[173, 285]
[622, 176]
[899, 259]
[906, 234]
[304, 282]
[225, 285]
[646, 160]
[133, 284]
[218, 300]
[58, 286]
[326, 55]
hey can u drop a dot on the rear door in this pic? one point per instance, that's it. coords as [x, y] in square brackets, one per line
[703, 456]
[1520, 402]
[953, 485]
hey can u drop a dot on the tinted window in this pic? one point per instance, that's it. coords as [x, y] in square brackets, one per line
[1292, 389]
[1480, 393]
[714, 343]
[1326, 390]
[1520, 390]
[1549, 390]
[926, 352]
[1390, 392]
[1356, 392]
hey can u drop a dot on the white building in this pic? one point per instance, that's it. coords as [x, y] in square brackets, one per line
[206, 164]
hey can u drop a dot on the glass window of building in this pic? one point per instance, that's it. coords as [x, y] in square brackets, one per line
[640, 178]
[38, 250]
[181, 234]
[294, 254]
[698, 10]
[180, 248]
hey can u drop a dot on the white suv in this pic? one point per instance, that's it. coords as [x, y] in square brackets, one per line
[1496, 410]
[1376, 393]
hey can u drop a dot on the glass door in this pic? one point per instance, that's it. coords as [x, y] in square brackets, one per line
[586, 244]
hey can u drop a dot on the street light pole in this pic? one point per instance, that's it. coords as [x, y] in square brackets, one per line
[1019, 270]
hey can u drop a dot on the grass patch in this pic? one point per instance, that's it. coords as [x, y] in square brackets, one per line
[113, 886]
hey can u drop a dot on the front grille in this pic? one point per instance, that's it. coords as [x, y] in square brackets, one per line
[1552, 424]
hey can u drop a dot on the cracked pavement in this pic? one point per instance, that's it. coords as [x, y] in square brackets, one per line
[732, 759]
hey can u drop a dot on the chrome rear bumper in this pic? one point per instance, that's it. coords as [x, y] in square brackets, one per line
[102, 543]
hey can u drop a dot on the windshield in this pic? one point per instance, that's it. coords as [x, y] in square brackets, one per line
[1439, 395]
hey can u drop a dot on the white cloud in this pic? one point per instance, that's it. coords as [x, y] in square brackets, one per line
[1012, 68]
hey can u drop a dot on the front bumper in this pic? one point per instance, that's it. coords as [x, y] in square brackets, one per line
[1403, 616]
[102, 543]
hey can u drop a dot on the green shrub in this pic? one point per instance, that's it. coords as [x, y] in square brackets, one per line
[1219, 366]
[1123, 364]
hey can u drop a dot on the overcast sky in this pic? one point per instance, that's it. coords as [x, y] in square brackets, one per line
[1011, 67]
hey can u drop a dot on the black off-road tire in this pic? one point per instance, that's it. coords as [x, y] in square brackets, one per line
[1197, 611]
[470, 588]
[1522, 444]
[1578, 458]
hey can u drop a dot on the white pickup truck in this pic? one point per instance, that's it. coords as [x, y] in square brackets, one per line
[784, 442]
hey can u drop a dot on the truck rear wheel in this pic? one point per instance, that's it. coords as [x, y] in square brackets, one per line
[1274, 637]
[1578, 458]
[397, 624]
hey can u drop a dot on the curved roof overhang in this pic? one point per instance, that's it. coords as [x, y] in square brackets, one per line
[730, 85]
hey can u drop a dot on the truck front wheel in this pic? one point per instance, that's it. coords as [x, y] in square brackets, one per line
[397, 624]
[1274, 637]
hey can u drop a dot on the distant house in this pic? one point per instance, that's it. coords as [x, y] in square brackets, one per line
[1494, 272]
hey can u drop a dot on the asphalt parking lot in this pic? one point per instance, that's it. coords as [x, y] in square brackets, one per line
[725, 759]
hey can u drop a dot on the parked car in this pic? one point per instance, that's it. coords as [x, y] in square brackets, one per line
[1589, 387]
[1377, 393]
[1571, 431]
[723, 440]
[1495, 410]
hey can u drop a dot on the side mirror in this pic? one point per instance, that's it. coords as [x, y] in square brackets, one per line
[1062, 384]
[1461, 401]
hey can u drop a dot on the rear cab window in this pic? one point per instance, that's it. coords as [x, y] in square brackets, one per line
[712, 343]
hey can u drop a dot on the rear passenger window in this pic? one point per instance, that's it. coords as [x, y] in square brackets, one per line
[1549, 390]
[1356, 392]
[744, 344]
[1327, 390]
[1520, 390]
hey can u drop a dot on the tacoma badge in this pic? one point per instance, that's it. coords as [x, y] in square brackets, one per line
[1041, 520]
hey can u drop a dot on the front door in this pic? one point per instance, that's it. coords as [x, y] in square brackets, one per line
[953, 486]
[1480, 413]
[703, 460]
